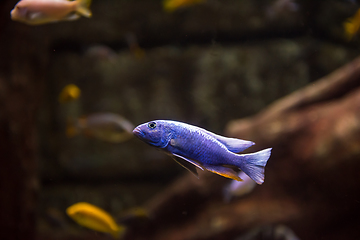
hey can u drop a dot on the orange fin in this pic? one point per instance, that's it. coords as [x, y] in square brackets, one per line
[223, 171]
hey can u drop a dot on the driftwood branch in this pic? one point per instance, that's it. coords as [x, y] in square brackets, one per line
[311, 179]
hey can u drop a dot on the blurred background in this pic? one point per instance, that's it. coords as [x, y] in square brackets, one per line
[208, 63]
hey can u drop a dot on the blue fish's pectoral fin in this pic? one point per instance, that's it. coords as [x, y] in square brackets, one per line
[196, 164]
[234, 145]
[187, 165]
[223, 171]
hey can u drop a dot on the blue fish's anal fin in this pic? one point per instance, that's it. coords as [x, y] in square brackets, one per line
[223, 171]
[188, 166]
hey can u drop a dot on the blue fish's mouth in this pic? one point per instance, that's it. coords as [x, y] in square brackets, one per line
[143, 137]
[137, 132]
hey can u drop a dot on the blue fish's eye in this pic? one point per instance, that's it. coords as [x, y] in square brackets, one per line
[152, 125]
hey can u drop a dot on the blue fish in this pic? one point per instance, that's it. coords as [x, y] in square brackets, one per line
[197, 147]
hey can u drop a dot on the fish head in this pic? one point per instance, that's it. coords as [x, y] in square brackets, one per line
[154, 133]
[19, 13]
[80, 211]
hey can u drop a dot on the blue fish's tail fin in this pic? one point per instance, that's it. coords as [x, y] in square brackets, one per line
[253, 164]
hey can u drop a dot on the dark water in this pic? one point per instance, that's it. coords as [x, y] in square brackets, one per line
[207, 64]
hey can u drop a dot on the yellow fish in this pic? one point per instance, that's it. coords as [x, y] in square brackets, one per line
[69, 93]
[95, 218]
[109, 127]
[352, 25]
[172, 5]
[36, 12]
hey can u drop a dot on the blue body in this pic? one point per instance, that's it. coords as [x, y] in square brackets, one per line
[204, 149]
[192, 143]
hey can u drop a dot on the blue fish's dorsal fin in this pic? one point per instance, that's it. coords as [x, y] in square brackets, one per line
[234, 145]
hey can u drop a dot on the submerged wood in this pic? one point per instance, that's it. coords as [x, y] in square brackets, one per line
[311, 182]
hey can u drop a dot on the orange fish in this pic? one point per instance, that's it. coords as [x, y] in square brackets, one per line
[69, 93]
[172, 5]
[352, 26]
[36, 12]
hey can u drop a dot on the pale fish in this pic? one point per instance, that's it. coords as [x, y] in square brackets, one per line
[36, 12]
[109, 127]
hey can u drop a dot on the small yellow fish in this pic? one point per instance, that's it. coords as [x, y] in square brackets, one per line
[352, 25]
[172, 5]
[36, 12]
[109, 127]
[69, 93]
[95, 218]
